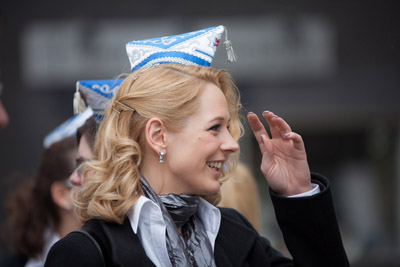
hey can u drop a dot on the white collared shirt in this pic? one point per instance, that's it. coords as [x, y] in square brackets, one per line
[148, 223]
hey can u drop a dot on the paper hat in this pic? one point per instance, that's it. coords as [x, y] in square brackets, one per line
[95, 94]
[193, 48]
[67, 128]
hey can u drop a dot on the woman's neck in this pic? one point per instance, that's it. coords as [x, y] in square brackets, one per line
[68, 223]
[155, 175]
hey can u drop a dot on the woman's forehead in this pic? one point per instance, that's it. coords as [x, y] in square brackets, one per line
[212, 102]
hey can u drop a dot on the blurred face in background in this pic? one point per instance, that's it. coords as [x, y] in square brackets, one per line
[4, 119]
[84, 153]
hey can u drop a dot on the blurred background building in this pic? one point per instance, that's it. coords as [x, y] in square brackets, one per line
[331, 69]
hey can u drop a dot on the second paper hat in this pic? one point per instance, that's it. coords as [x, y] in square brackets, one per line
[95, 94]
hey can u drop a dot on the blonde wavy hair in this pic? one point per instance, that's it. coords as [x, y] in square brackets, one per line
[111, 181]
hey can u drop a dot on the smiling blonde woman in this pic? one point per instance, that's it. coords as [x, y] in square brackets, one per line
[168, 140]
[168, 137]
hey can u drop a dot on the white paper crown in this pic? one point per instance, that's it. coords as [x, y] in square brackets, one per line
[193, 48]
[67, 128]
[95, 94]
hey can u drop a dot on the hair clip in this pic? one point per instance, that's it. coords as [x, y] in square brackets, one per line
[123, 105]
[116, 111]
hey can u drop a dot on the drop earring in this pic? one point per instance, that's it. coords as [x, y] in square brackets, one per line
[161, 158]
[68, 206]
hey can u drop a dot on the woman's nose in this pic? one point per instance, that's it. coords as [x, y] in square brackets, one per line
[229, 145]
[75, 179]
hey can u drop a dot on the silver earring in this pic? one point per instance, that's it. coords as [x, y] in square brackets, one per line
[68, 206]
[161, 158]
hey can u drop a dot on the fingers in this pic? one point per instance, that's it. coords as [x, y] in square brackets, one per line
[256, 126]
[259, 132]
[255, 123]
[279, 128]
[296, 138]
[277, 125]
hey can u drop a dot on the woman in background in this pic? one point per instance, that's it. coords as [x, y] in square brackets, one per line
[4, 119]
[41, 212]
[85, 137]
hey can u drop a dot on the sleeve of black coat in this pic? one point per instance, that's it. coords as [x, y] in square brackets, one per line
[74, 250]
[309, 227]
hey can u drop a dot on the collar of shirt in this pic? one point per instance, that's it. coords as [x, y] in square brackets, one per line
[147, 222]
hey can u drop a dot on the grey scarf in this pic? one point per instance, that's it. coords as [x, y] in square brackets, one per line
[194, 248]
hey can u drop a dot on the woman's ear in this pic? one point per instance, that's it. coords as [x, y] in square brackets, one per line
[155, 134]
[61, 195]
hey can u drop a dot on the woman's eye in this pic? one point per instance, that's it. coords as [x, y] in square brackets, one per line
[215, 127]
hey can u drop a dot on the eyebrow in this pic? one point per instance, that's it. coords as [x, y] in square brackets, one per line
[219, 118]
[80, 160]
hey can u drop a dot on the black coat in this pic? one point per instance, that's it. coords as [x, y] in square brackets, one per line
[308, 224]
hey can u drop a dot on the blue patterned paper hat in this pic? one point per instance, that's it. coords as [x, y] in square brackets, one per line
[193, 48]
[67, 128]
[95, 94]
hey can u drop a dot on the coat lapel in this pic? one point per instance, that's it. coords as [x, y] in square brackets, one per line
[126, 247]
[233, 243]
[232, 246]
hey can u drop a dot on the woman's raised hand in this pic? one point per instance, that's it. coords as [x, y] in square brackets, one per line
[284, 160]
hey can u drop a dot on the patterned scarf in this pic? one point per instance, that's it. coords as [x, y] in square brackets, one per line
[193, 248]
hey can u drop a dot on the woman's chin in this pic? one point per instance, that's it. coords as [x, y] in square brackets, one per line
[213, 190]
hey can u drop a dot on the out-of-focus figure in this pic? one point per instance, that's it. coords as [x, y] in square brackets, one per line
[41, 211]
[240, 193]
[85, 138]
[89, 97]
[4, 119]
